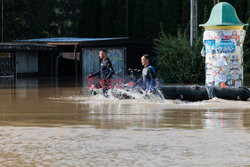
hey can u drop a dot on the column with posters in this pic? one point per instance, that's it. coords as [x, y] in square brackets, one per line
[223, 45]
[224, 57]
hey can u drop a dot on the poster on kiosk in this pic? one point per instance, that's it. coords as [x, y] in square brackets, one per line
[223, 47]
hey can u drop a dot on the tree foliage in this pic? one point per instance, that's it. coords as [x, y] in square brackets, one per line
[103, 18]
[177, 61]
[25, 19]
[89, 23]
[138, 19]
[152, 18]
[247, 44]
[171, 14]
[107, 20]
[120, 19]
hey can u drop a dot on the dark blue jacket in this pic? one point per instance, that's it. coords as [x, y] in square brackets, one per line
[106, 70]
[148, 78]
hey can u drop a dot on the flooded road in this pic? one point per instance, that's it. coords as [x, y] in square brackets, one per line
[48, 124]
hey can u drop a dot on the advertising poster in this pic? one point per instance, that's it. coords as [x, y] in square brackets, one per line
[224, 57]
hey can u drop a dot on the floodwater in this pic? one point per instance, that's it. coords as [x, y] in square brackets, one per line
[43, 123]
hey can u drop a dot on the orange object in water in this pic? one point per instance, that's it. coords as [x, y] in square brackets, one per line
[131, 84]
[223, 85]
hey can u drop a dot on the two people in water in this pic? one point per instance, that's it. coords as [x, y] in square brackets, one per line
[106, 72]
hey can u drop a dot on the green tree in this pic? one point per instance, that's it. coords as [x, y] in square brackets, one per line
[14, 21]
[35, 20]
[48, 17]
[89, 23]
[131, 9]
[171, 15]
[247, 11]
[67, 13]
[247, 43]
[40, 18]
[137, 23]
[185, 14]
[204, 10]
[108, 12]
[176, 61]
[152, 18]
[120, 19]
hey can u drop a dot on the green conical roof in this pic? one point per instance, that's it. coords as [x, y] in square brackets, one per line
[223, 14]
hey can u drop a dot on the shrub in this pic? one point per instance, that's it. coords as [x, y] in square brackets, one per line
[246, 55]
[177, 61]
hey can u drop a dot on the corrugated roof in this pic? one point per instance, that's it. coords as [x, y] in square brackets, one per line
[68, 39]
[26, 47]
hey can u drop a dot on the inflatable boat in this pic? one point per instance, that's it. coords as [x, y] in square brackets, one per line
[197, 92]
[184, 92]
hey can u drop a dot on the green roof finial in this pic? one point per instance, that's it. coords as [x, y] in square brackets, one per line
[223, 14]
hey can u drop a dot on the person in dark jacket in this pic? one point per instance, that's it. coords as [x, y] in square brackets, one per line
[148, 75]
[106, 70]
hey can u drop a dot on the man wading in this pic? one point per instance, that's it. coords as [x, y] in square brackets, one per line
[148, 76]
[106, 71]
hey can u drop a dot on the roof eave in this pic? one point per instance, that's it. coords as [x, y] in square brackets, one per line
[223, 24]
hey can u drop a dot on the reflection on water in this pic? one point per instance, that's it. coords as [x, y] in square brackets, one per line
[47, 123]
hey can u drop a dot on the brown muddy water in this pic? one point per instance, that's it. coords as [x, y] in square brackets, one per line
[43, 123]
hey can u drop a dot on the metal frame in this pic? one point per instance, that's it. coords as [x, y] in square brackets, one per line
[13, 65]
